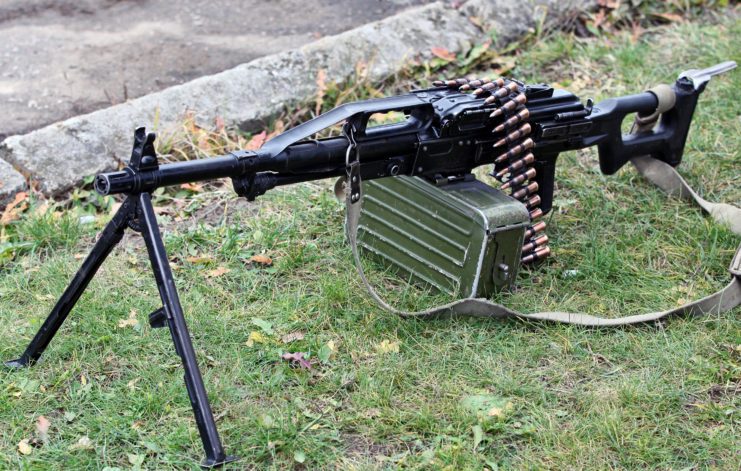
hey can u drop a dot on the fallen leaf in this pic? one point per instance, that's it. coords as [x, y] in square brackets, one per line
[256, 141]
[387, 347]
[372, 413]
[197, 188]
[266, 326]
[163, 210]
[84, 443]
[42, 428]
[495, 412]
[24, 448]
[203, 143]
[131, 321]
[298, 357]
[293, 336]
[443, 53]
[200, 259]
[79, 256]
[327, 351]
[669, 17]
[256, 337]
[41, 210]
[261, 260]
[136, 460]
[11, 212]
[69, 416]
[132, 384]
[478, 436]
[606, 3]
[217, 272]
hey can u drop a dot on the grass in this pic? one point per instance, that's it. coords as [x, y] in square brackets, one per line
[389, 393]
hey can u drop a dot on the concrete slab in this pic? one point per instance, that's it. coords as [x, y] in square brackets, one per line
[62, 154]
[64, 58]
[11, 182]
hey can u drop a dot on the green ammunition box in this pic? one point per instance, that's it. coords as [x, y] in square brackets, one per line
[464, 238]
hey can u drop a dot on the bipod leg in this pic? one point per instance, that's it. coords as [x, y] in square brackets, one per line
[173, 311]
[109, 237]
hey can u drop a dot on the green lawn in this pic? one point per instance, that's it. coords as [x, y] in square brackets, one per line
[389, 393]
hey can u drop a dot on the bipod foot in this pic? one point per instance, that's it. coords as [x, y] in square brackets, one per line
[109, 237]
[215, 463]
[21, 362]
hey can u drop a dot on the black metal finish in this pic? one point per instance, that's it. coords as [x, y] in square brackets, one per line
[446, 133]
[181, 338]
[137, 213]
[445, 136]
[109, 237]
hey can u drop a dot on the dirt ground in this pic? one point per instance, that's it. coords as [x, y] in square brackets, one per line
[61, 58]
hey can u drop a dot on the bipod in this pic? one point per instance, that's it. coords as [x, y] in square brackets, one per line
[137, 213]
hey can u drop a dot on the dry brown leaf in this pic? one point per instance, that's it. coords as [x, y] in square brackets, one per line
[198, 187]
[256, 141]
[476, 22]
[200, 259]
[79, 256]
[669, 17]
[293, 336]
[261, 260]
[131, 321]
[41, 210]
[217, 272]
[204, 143]
[443, 53]
[163, 210]
[11, 211]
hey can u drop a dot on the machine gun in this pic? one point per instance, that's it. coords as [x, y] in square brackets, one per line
[449, 130]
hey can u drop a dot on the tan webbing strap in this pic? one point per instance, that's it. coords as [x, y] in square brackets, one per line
[656, 171]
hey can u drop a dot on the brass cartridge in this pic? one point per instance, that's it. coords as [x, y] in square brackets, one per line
[523, 130]
[519, 178]
[516, 150]
[522, 114]
[535, 229]
[521, 193]
[538, 254]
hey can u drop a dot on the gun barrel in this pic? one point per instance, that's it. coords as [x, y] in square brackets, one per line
[130, 181]
[301, 161]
